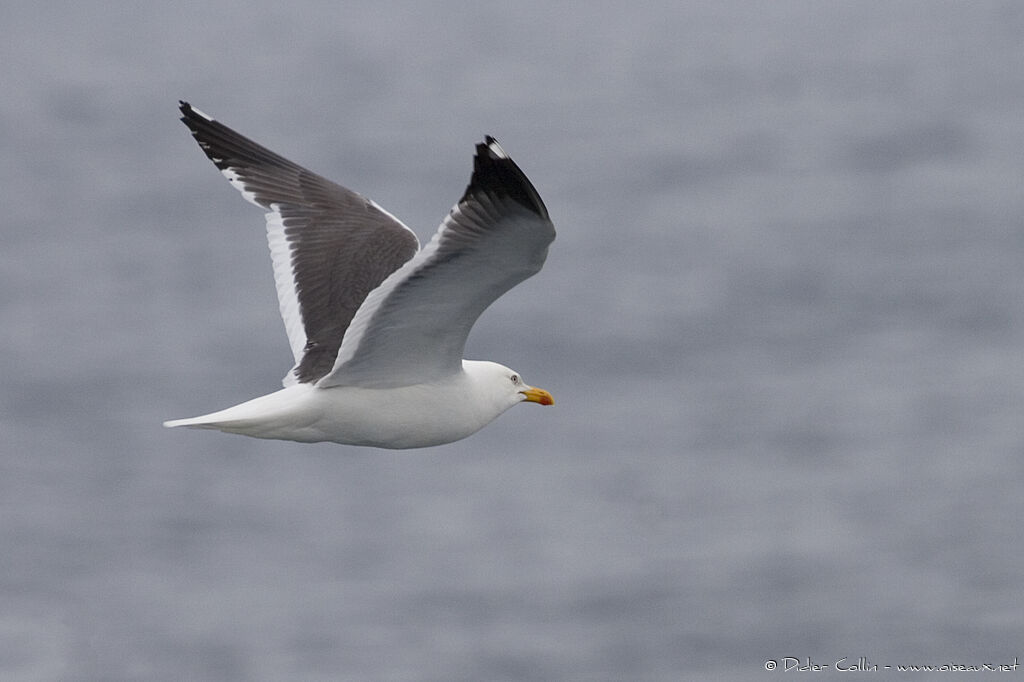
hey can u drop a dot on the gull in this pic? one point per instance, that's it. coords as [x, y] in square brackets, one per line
[376, 325]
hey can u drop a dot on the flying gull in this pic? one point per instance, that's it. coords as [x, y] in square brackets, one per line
[376, 325]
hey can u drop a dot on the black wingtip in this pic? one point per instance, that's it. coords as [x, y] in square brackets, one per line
[189, 115]
[495, 172]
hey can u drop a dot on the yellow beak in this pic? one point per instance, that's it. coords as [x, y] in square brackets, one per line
[538, 395]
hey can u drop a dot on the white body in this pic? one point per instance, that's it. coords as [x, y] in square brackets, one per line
[419, 416]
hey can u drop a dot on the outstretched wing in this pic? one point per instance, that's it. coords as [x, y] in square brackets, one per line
[330, 246]
[413, 327]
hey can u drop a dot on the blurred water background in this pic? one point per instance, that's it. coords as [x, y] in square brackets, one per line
[783, 321]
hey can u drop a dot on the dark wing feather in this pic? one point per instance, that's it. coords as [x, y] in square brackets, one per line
[413, 328]
[331, 246]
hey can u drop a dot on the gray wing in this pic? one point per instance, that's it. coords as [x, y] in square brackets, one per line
[330, 246]
[413, 327]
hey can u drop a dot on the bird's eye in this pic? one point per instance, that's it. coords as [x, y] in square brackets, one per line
[514, 378]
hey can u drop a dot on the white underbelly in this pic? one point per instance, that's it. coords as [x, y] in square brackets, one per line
[404, 417]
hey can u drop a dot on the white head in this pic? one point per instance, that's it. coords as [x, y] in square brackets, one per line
[502, 386]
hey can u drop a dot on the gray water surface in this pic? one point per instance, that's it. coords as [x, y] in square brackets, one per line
[783, 321]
